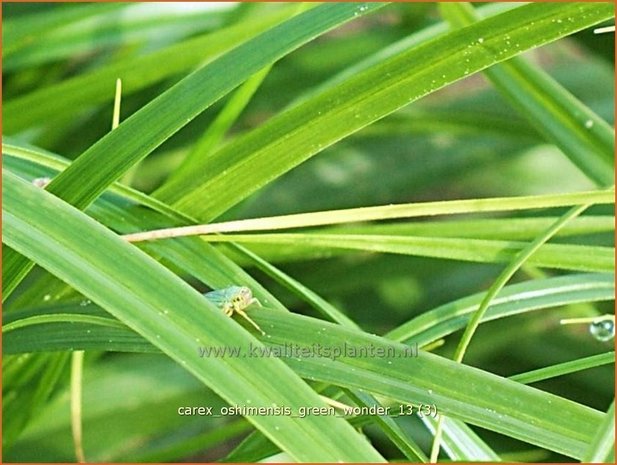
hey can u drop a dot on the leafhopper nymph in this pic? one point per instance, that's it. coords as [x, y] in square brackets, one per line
[234, 299]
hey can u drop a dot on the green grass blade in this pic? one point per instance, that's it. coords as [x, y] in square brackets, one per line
[175, 318]
[20, 32]
[414, 39]
[279, 145]
[564, 368]
[428, 327]
[192, 255]
[301, 291]
[473, 324]
[32, 391]
[353, 215]
[405, 444]
[538, 294]
[176, 107]
[524, 256]
[602, 448]
[583, 136]
[153, 387]
[568, 257]
[215, 132]
[402, 440]
[100, 30]
[461, 443]
[410, 210]
[518, 229]
[195, 444]
[52, 164]
[461, 392]
[419, 376]
[94, 87]
[59, 318]
[113, 155]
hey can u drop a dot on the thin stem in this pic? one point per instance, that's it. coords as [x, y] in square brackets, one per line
[506, 274]
[495, 288]
[385, 212]
[584, 320]
[77, 361]
[115, 121]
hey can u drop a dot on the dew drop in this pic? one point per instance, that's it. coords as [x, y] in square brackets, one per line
[603, 330]
[41, 182]
[85, 303]
[589, 124]
[481, 40]
[46, 297]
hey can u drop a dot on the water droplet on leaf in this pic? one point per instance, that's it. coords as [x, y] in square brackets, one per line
[603, 330]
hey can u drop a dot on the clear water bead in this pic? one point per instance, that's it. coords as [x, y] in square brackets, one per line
[603, 330]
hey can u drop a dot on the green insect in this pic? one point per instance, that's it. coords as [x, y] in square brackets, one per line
[234, 299]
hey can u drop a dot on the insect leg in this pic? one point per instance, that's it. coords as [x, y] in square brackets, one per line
[247, 318]
[228, 309]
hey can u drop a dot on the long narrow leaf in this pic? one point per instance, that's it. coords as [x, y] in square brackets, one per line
[461, 392]
[83, 91]
[602, 448]
[171, 315]
[252, 161]
[569, 257]
[585, 138]
[113, 155]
